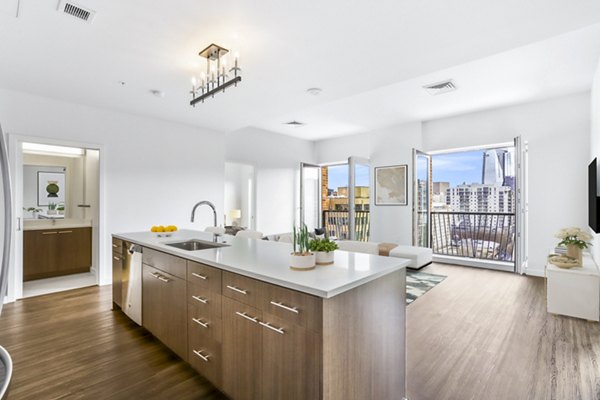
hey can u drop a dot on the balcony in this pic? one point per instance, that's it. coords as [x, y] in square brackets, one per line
[482, 236]
[336, 224]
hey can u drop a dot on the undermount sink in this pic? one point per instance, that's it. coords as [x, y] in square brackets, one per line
[193, 245]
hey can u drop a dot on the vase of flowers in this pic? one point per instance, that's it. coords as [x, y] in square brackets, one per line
[301, 258]
[323, 249]
[575, 240]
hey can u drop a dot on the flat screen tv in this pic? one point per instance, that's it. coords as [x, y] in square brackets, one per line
[593, 196]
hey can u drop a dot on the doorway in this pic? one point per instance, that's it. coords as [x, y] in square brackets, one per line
[469, 205]
[58, 196]
[326, 194]
[239, 197]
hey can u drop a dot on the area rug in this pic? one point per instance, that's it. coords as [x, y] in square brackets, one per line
[419, 283]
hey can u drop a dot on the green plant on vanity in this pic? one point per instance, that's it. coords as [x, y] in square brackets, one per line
[51, 208]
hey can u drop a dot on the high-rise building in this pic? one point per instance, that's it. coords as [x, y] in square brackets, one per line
[486, 198]
[493, 167]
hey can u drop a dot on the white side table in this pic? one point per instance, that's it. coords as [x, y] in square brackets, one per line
[574, 292]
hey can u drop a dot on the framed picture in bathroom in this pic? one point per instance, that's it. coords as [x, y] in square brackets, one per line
[51, 188]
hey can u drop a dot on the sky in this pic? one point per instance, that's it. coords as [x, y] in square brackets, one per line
[457, 168]
[338, 176]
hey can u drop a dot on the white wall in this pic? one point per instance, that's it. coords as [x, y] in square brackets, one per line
[595, 146]
[389, 146]
[154, 171]
[557, 131]
[276, 159]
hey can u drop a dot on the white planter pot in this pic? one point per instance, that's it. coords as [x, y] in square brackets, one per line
[324, 257]
[51, 212]
[302, 262]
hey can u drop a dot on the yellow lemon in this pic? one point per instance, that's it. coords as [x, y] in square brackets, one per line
[153, 229]
[160, 228]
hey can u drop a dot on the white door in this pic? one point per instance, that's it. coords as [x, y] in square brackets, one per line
[421, 198]
[522, 206]
[310, 196]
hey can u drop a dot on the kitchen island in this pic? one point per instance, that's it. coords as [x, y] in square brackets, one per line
[260, 330]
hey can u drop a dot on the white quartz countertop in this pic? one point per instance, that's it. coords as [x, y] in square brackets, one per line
[269, 261]
[40, 224]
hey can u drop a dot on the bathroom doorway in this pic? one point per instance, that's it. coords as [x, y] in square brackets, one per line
[59, 200]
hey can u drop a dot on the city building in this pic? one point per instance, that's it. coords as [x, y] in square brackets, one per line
[480, 198]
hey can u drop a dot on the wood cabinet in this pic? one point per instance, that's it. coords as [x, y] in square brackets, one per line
[285, 354]
[56, 252]
[256, 340]
[164, 311]
[117, 271]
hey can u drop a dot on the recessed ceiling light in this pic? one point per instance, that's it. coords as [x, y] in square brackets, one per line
[315, 91]
[157, 93]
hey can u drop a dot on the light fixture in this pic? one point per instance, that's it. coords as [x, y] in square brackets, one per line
[49, 150]
[217, 77]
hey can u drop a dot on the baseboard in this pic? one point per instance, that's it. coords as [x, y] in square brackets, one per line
[536, 272]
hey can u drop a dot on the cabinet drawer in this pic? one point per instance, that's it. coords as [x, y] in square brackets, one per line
[201, 324]
[298, 308]
[165, 262]
[205, 356]
[241, 288]
[204, 277]
[206, 302]
[117, 244]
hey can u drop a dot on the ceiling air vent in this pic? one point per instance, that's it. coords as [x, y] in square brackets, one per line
[440, 87]
[74, 10]
[294, 123]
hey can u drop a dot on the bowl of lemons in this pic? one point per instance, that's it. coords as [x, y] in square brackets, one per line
[164, 231]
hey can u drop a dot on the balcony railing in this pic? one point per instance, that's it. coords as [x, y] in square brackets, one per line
[488, 236]
[336, 224]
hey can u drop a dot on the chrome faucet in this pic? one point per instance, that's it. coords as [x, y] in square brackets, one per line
[208, 203]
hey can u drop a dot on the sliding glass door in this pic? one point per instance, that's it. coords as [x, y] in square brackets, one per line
[359, 198]
[310, 196]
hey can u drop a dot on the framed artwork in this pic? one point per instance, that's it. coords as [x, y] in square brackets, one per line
[391, 185]
[51, 188]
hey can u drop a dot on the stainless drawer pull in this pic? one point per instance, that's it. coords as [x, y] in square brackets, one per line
[271, 327]
[244, 315]
[202, 356]
[116, 259]
[163, 279]
[199, 322]
[291, 309]
[114, 245]
[199, 276]
[61, 232]
[154, 274]
[200, 299]
[237, 289]
[49, 233]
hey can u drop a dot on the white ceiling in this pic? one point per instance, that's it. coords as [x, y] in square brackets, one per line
[370, 58]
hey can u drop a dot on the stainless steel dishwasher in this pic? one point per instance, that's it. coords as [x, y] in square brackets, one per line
[132, 282]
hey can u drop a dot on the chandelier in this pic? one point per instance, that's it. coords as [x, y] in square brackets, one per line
[217, 77]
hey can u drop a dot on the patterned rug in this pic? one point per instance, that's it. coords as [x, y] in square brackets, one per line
[418, 283]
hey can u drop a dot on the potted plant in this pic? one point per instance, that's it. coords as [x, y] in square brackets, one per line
[323, 249]
[33, 210]
[301, 258]
[51, 208]
[575, 240]
[61, 208]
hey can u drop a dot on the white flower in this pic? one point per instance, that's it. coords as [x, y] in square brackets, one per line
[573, 231]
[585, 236]
[562, 234]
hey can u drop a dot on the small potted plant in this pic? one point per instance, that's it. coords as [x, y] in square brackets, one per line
[33, 210]
[60, 208]
[301, 258]
[575, 240]
[51, 208]
[323, 249]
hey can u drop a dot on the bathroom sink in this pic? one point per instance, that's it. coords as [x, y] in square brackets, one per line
[193, 245]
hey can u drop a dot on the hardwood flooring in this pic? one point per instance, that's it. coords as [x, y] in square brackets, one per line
[70, 345]
[477, 335]
[486, 335]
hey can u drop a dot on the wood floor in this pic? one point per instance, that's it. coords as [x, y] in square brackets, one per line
[477, 335]
[486, 335]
